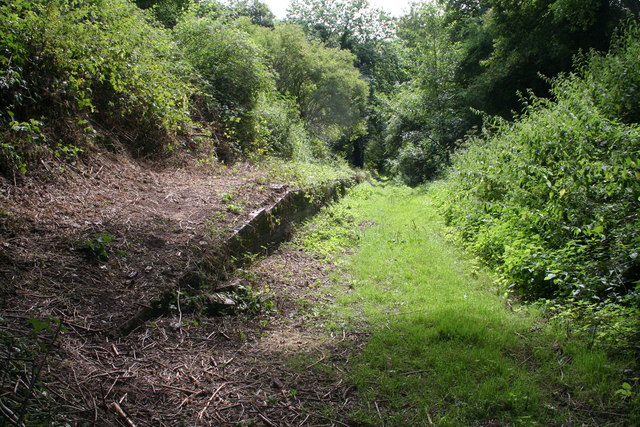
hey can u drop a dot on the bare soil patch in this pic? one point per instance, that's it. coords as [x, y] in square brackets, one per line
[148, 225]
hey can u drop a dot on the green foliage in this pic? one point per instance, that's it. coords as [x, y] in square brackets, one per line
[40, 328]
[323, 82]
[257, 11]
[98, 246]
[232, 70]
[613, 82]
[168, 12]
[20, 143]
[419, 162]
[369, 34]
[252, 301]
[240, 300]
[507, 45]
[282, 131]
[424, 117]
[444, 344]
[552, 199]
[342, 24]
[305, 174]
[479, 54]
[70, 65]
[332, 231]
[612, 325]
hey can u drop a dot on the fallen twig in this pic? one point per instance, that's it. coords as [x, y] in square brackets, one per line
[317, 361]
[9, 414]
[267, 420]
[201, 413]
[189, 397]
[184, 390]
[116, 407]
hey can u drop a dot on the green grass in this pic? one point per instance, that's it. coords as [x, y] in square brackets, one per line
[304, 174]
[447, 347]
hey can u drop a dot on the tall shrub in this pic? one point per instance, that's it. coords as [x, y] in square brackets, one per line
[232, 70]
[553, 199]
[329, 91]
[71, 66]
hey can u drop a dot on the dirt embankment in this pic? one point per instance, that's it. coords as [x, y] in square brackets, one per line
[98, 244]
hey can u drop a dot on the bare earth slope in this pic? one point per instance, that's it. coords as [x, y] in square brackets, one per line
[98, 244]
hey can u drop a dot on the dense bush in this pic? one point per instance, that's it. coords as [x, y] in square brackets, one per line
[418, 163]
[552, 200]
[417, 140]
[614, 84]
[323, 81]
[424, 116]
[166, 11]
[68, 68]
[282, 131]
[232, 70]
[77, 72]
[507, 44]
[276, 92]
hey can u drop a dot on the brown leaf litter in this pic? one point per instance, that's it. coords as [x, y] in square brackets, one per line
[99, 242]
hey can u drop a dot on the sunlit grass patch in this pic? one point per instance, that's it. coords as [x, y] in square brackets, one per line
[447, 347]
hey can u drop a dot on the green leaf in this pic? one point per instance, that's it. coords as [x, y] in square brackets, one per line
[39, 325]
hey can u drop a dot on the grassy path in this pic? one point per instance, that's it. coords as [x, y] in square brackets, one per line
[446, 346]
